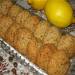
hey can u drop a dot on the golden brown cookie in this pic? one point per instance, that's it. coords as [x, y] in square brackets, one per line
[31, 22]
[67, 44]
[22, 38]
[4, 25]
[1, 1]
[58, 64]
[14, 11]
[22, 16]
[33, 49]
[5, 6]
[41, 29]
[52, 36]
[11, 32]
[44, 56]
[1, 16]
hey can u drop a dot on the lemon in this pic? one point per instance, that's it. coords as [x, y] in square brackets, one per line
[37, 4]
[59, 13]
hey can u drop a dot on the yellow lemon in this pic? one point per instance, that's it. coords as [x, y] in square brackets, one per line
[37, 4]
[59, 13]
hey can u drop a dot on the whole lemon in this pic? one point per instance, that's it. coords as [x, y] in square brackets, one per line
[59, 13]
[37, 4]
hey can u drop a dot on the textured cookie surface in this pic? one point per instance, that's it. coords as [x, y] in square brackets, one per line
[23, 36]
[58, 64]
[44, 56]
[41, 29]
[11, 33]
[67, 43]
[53, 35]
[5, 22]
[14, 11]
[5, 6]
[31, 23]
[21, 18]
[33, 49]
